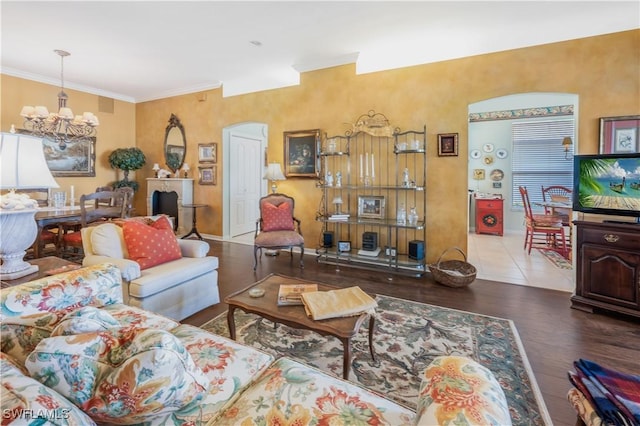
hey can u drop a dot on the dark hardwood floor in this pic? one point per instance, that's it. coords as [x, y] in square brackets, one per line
[553, 334]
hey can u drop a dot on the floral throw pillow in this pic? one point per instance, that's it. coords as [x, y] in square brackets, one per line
[122, 376]
[277, 218]
[151, 245]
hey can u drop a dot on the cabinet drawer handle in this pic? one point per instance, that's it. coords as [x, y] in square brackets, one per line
[611, 238]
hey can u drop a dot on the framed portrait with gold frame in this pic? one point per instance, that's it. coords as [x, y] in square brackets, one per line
[301, 153]
[447, 144]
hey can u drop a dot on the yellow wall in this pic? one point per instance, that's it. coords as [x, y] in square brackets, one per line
[604, 71]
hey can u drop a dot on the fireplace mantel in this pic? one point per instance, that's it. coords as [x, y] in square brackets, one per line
[183, 188]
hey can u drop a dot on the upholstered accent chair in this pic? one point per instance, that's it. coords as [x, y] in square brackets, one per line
[277, 228]
[542, 230]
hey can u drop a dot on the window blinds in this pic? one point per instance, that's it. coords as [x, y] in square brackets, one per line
[538, 157]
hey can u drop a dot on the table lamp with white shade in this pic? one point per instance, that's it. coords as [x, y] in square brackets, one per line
[22, 166]
[274, 173]
[185, 169]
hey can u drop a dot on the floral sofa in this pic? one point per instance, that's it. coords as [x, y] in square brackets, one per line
[74, 354]
[161, 273]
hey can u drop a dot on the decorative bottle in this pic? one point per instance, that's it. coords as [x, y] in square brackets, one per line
[402, 215]
[413, 217]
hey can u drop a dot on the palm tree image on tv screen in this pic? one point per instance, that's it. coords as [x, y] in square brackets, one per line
[608, 184]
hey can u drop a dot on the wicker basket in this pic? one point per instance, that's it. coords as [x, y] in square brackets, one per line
[453, 273]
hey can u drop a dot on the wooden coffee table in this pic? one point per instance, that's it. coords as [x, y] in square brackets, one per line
[295, 316]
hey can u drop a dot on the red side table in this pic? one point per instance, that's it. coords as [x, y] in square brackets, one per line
[489, 216]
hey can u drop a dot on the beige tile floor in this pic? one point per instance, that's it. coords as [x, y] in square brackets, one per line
[503, 259]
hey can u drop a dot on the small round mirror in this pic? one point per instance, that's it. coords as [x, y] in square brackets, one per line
[175, 144]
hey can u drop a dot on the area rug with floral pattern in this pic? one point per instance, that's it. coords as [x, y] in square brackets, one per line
[407, 337]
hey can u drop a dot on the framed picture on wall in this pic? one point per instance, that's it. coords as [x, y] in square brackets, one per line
[208, 152]
[447, 144]
[73, 158]
[301, 149]
[208, 175]
[619, 135]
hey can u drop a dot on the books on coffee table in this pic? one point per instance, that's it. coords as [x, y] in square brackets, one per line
[290, 294]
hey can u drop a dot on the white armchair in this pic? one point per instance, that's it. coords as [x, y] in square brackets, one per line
[177, 288]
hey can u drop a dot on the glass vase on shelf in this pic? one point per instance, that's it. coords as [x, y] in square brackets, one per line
[413, 217]
[401, 216]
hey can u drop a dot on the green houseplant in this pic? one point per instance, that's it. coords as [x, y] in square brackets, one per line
[127, 159]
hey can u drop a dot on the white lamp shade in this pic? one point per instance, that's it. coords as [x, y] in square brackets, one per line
[337, 200]
[274, 172]
[22, 163]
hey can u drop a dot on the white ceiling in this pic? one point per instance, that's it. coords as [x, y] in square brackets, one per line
[143, 50]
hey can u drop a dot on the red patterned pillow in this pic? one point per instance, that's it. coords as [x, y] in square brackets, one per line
[151, 245]
[277, 218]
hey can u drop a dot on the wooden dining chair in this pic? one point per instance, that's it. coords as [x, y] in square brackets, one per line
[561, 194]
[93, 211]
[542, 230]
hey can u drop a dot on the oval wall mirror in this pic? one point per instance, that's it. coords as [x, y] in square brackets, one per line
[175, 144]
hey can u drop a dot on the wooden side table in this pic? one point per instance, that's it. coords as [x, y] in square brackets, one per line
[44, 264]
[194, 229]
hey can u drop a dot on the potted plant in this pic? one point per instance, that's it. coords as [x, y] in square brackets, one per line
[127, 159]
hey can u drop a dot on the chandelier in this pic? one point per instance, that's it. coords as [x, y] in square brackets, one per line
[62, 126]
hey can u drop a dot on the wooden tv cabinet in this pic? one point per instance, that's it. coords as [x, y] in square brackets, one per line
[608, 267]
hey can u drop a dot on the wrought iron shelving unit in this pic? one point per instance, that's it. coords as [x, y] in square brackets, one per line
[367, 166]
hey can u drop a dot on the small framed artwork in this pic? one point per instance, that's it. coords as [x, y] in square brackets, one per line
[478, 174]
[371, 206]
[447, 144]
[497, 184]
[301, 153]
[344, 246]
[208, 152]
[208, 175]
[619, 135]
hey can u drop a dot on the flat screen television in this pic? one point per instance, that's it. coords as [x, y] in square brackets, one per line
[607, 184]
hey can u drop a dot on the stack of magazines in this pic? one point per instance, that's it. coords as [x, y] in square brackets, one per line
[291, 294]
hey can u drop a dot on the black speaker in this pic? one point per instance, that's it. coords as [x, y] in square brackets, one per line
[416, 250]
[369, 241]
[327, 239]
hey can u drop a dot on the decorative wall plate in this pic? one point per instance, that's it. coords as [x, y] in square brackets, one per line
[488, 159]
[502, 153]
[478, 174]
[475, 154]
[487, 147]
[497, 175]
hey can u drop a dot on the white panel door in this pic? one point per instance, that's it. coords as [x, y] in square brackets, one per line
[245, 181]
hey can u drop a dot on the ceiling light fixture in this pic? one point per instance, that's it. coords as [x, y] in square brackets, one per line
[62, 126]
